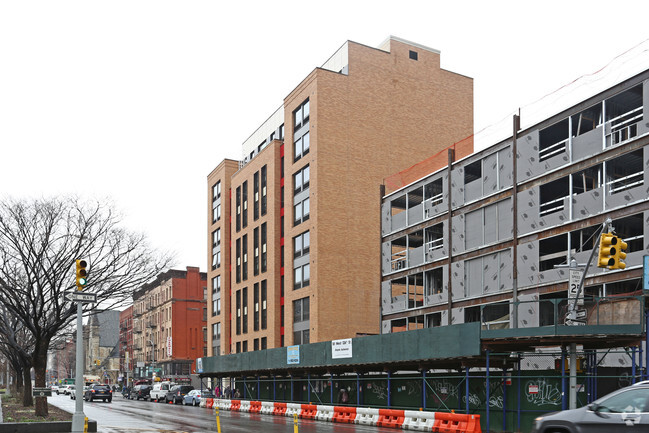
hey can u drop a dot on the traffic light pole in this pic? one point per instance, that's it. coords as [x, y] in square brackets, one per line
[79, 418]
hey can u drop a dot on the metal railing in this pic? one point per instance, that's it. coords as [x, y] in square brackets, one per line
[553, 149]
[551, 206]
[624, 126]
[626, 182]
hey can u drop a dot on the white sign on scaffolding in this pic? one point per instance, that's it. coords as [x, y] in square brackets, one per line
[341, 348]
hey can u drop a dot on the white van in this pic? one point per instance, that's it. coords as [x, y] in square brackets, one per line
[159, 390]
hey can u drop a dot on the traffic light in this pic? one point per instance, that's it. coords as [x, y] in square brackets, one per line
[607, 250]
[620, 254]
[81, 274]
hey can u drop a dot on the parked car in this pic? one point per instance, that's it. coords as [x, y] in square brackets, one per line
[177, 393]
[55, 389]
[160, 390]
[98, 391]
[73, 394]
[63, 389]
[623, 410]
[69, 389]
[140, 392]
[194, 396]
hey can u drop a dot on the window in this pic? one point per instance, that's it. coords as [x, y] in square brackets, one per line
[245, 346]
[302, 276]
[238, 258]
[238, 315]
[244, 299]
[264, 244]
[301, 244]
[255, 260]
[473, 172]
[216, 237]
[301, 146]
[301, 115]
[238, 208]
[255, 313]
[255, 182]
[263, 190]
[216, 260]
[216, 284]
[301, 180]
[216, 203]
[238, 347]
[263, 343]
[244, 245]
[434, 281]
[301, 315]
[264, 294]
[301, 211]
[413, 55]
[244, 217]
[553, 140]
[255, 344]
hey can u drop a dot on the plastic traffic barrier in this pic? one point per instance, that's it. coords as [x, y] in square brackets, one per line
[366, 416]
[390, 418]
[325, 413]
[418, 420]
[456, 423]
[236, 405]
[293, 409]
[279, 409]
[344, 414]
[255, 406]
[267, 407]
[308, 411]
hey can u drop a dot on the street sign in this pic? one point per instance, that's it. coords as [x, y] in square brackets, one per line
[571, 322]
[581, 314]
[81, 297]
[41, 392]
[573, 286]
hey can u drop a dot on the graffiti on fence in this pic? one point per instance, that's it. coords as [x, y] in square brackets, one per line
[380, 390]
[541, 392]
[414, 388]
[473, 399]
[496, 401]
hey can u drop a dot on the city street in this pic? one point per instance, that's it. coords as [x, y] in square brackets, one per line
[125, 416]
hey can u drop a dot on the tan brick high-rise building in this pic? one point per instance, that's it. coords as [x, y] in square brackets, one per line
[294, 229]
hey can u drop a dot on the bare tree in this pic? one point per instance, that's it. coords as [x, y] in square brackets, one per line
[39, 242]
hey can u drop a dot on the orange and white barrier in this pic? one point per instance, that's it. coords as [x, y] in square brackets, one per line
[267, 407]
[366, 416]
[325, 413]
[245, 406]
[441, 422]
[293, 409]
[418, 420]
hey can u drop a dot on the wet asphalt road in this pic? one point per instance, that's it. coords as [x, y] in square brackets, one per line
[130, 416]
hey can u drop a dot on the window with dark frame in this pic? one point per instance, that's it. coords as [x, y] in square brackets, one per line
[413, 55]
[256, 312]
[264, 247]
[263, 189]
[255, 236]
[244, 255]
[244, 217]
[238, 208]
[255, 181]
[264, 300]
[244, 302]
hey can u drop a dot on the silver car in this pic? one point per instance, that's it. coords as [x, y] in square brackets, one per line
[625, 410]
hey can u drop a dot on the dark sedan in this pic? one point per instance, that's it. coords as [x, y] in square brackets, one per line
[98, 392]
[177, 393]
[624, 410]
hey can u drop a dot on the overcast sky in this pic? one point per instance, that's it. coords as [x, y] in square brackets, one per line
[137, 101]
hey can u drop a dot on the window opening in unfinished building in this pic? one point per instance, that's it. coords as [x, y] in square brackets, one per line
[433, 320]
[623, 113]
[399, 289]
[416, 290]
[584, 239]
[586, 120]
[553, 140]
[472, 172]
[552, 196]
[434, 237]
[433, 192]
[587, 180]
[625, 172]
[553, 251]
[495, 316]
[434, 281]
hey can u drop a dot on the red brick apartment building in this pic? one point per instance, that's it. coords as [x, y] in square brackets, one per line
[169, 327]
[294, 230]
